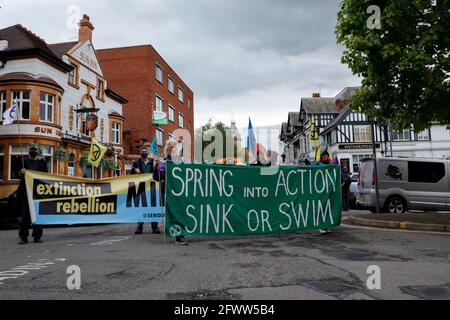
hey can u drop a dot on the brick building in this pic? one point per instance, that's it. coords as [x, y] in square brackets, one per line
[150, 84]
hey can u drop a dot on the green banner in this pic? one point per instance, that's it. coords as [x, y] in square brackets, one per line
[220, 200]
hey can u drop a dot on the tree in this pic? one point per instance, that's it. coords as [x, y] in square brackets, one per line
[403, 59]
[208, 139]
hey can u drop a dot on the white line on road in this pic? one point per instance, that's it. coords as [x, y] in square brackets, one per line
[21, 271]
[109, 241]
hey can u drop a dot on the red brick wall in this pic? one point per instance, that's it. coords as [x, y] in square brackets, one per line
[132, 73]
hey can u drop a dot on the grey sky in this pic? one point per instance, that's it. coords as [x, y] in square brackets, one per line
[252, 58]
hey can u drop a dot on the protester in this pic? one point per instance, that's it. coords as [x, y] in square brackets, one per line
[159, 174]
[261, 157]
[141, 166]
[324, 160]
[346, 181]
[32, 162]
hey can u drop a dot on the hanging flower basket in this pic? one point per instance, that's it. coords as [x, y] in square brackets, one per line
[61, 154]
[84, 161]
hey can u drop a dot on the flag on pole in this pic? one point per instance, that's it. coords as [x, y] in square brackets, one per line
[11, 114]
[154, 147]
[97, 152]
[251, 139]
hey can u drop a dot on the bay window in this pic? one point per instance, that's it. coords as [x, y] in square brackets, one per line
[23, 99]
[46, 107]
[116, 133]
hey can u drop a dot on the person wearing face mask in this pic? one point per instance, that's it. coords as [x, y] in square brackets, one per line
[141, 166]
[172, 154]
[32, 162]
[324, 160]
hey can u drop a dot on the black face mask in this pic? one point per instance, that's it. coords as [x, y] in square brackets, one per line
[144, 155]
[33, 154]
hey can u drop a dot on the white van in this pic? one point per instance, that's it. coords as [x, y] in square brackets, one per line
[405, 184]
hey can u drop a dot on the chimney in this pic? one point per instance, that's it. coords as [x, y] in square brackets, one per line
[86, 28]
[316, 95]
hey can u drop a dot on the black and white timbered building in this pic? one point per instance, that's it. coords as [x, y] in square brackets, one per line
[349, 134]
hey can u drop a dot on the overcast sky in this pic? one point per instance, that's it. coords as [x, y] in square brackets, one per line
[244, 58]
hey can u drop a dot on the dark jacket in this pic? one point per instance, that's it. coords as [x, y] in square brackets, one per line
[40, 166]
[159, 174]
[139, 164]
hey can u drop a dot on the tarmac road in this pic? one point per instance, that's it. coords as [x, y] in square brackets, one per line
[116, 264]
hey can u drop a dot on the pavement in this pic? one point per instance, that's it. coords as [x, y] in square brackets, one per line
[116, 264]
[424, 221]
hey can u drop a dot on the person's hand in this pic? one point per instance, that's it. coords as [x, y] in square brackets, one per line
[137, 170]
[22, 172]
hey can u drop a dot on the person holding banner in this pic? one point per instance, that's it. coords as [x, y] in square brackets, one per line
[324, 159]
[159, 174]
[141, 166]
[32, 162]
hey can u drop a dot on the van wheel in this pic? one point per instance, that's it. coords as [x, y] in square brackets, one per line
[395, 205]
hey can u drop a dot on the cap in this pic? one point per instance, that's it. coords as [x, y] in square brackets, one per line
[34, 146]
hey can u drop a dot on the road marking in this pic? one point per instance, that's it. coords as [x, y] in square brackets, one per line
[23, 270]
[109, 241]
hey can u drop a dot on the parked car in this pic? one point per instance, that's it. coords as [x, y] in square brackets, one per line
[8, 209]
[405, 184]
[353, 189]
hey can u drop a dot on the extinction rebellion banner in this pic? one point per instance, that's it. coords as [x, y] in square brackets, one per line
[56, 199]
[218, 200]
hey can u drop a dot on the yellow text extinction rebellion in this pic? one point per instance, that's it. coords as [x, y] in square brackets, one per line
[75, 198]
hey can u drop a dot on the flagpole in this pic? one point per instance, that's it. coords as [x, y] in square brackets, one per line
[19, 115]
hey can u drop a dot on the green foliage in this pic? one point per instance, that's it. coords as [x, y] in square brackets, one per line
[84, 161]
[61, 154]
[226, 134]
[404, 65]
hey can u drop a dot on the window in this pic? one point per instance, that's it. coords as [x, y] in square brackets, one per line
[172, 114]
[189, 103]
[171, 86]
[73, 75]
[363, 133]
[15, 158]
[47, 154]
[99, 173]
[71, 166]
[88, 171]
[2, 160]
[180, 94]
[181, 120]
[100, 89]
[357, 161]
[2, 105]
[24, 102]
[404, 135]
[426, 172]
[159, 104]
[159, 74]
[160, 137]
[424, 135]
[46, 107]
[116, 133]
